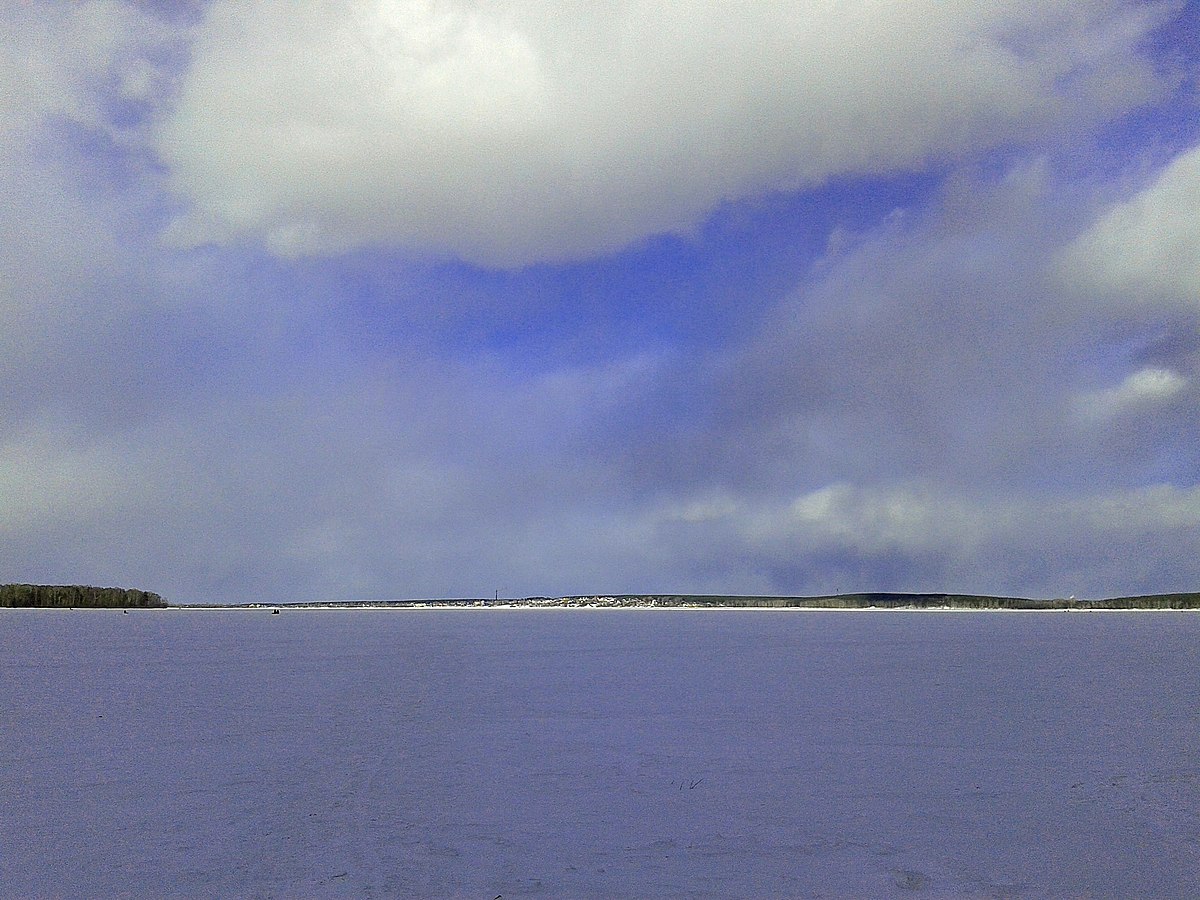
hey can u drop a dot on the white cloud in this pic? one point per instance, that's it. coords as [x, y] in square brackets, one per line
[59, 59]
[910, 535]
[901, 516]
[60, 253]
[1148, 247]
[1144, 390]
[520, 132]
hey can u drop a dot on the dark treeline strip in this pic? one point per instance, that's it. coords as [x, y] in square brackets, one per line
[76, 595]
[1148, 601]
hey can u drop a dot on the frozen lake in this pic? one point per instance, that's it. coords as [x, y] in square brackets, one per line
[608, 754]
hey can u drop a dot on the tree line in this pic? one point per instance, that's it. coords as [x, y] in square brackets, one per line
[72, 595]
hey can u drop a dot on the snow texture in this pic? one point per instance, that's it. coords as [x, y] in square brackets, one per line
[588, 753]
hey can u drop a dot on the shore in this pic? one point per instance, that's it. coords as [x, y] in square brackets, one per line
[857, 602]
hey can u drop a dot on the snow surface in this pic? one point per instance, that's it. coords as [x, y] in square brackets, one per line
[581, 753]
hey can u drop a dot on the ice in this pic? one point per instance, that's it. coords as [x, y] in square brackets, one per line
[598, 753]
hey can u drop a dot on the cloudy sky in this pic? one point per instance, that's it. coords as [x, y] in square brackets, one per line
[410, 298]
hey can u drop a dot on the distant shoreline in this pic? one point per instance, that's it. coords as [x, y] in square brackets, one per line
[74, 597]
[304, 607]
[840, 602]
[503, 608]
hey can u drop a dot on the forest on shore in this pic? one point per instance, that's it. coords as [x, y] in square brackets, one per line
[77, 595]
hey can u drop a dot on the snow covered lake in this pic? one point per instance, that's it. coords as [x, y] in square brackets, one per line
[607, 754]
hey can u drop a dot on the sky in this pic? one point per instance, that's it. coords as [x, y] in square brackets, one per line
[443, 298]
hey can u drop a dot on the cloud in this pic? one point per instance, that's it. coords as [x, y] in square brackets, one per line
[298, 477]
[41, 481]
[911, 535]
[353, 491]
[1146, 390]
[506, 135]
[941, 346]
[1147, 248]
[78, 81]
[932, 343]
[74, 61]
